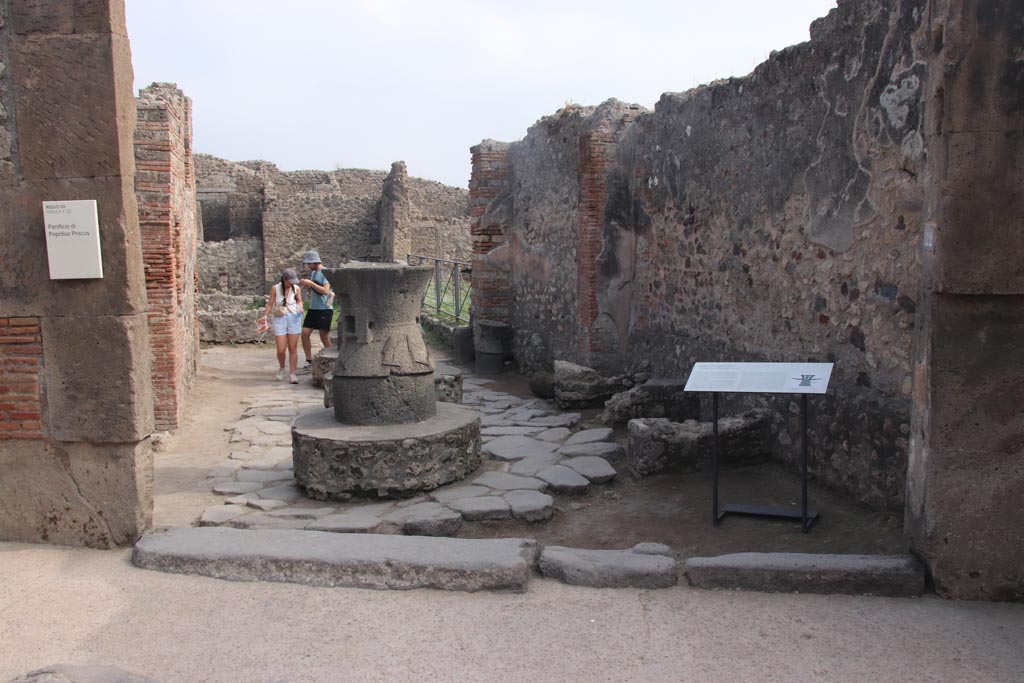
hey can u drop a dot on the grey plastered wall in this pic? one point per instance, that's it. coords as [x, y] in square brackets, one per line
[773, 217]
[66, 88]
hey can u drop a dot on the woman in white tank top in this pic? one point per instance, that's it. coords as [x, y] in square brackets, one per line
[284, 310]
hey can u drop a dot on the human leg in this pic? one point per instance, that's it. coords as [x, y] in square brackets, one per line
[325, 338]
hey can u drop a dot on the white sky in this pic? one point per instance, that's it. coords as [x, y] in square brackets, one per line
[361, 83]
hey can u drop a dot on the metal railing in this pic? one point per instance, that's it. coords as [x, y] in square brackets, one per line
[447, 295]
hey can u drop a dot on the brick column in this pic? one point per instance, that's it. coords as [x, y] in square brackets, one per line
[21, 362]
[491, 288]
[165, 191]
[597, 154]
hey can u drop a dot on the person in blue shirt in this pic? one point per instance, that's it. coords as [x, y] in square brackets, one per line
[320, 312]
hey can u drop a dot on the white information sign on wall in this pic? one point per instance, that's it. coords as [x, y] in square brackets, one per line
[760, 378]
[73, 239]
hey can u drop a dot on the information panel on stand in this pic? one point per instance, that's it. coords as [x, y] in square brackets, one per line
[760, 378]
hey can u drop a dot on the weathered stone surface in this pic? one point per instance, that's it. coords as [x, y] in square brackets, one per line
[590, 436]
[263, 476]
[554, 434]
[447, 494]
[529, 467]
[560, 420]
[502, 481]
[218, 514]
[80, 673]
[609, 568]
[599, 449]
[323, 366]
[655, 444]
[542, 384]
[324, 559]
[348, 522]
[426, 519]
[510, 431]
[581, 387]
[597, 470]
[289, 493]
[530, 506]
[481, 508]
[333, 460]
[564, 480]
[517, 447]
[899, 575]
[266, 505]
[230, 488]
[654, 398]
[225, 319]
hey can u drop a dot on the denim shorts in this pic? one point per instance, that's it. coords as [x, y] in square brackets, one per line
[287, 324]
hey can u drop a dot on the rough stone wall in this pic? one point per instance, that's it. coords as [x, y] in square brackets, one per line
[230, 196]
[165, 192]
[339, 213]
[439, 220]
[234, 266]
[77, 468]
[773, 217]
[393, 215]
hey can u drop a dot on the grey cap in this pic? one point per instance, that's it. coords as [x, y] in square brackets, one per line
[290, 275]
[311, 257]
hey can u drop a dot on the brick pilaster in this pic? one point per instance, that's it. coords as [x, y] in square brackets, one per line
[21, 361]
[491, 289]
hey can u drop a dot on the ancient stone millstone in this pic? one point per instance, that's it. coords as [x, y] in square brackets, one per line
[386, 435]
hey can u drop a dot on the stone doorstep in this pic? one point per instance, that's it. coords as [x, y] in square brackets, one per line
[325, 559]
[888, 575]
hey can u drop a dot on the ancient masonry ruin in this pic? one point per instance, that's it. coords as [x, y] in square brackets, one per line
[855, 199]
[257, 220]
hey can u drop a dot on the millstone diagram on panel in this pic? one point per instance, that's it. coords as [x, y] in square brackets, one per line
[387, 436]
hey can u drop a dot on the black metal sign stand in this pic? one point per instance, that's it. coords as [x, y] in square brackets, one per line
[806, 517]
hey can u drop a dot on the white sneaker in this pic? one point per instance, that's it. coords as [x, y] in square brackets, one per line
[281, 374]
[303, 369]
[293, 379]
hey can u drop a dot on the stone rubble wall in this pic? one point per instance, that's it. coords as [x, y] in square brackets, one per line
[774, 217]
[232, 266]
[165, 192]
[343, 214]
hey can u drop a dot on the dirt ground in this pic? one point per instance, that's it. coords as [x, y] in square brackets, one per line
[670, 508]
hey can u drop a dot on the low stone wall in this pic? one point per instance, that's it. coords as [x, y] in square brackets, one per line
[226, 319]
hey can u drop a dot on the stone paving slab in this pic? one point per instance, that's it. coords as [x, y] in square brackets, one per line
[889, 575]
[530, 506]
[554, 434]
[600, 449]
[610, 568]
[529, 467]
[597, 470]
[564, 480]
[590, 436]
[517, 447]
[504, 481]
[316, 558]
[482, 508]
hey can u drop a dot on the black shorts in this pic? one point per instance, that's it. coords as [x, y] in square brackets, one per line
[317, 319]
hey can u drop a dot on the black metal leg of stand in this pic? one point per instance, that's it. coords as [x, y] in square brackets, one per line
[803, 465]
[714, 459]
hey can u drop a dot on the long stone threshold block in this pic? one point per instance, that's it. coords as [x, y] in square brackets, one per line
[317, 558]
[889, 575]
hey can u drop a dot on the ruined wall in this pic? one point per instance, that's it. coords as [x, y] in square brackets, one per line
[439, 220]
[339, 213]
[773, 217]
[76, 463]
[165, 192]
[234, 266]
[230, 197]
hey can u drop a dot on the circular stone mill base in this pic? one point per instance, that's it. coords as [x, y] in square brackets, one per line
[333, 461]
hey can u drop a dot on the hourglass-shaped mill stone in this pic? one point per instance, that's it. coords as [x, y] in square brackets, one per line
[386, 436]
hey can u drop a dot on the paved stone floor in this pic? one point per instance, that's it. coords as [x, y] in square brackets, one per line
[531, 455]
